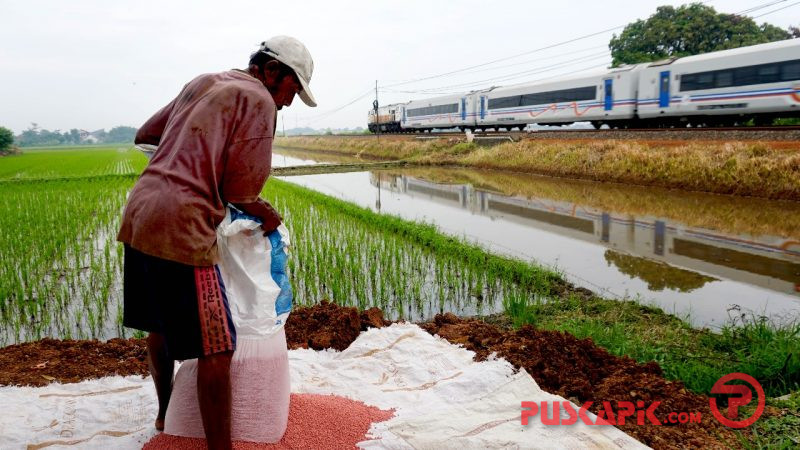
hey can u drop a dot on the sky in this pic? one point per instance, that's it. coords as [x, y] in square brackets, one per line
[99, 64]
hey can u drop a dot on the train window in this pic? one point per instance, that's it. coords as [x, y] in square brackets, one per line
[769, 73]
[505, 102]
[746, 75]
[664, 84]
[689, 82]
[742, 76]
[724, 78]
[790, 70]
[705, 80]
[430, 110]
[543, 98]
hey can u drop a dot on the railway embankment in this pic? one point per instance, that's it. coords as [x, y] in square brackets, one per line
[766, 169]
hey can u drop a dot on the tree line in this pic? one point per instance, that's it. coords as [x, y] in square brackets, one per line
[35, 136]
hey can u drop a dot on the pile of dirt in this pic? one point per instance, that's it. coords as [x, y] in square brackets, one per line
[68, 361]
[581, 371]
[38, 363]
[327, 325]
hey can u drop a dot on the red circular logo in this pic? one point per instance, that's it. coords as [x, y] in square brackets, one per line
[741, 396]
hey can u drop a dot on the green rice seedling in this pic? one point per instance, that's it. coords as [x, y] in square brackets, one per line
[60, 236]
[365, 259]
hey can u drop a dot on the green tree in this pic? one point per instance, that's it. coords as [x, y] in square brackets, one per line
[688, 30]
[6, 139]
[120, 134]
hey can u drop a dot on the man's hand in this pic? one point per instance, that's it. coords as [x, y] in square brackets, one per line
[270, 219]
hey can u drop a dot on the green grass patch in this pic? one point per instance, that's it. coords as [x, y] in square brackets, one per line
[767, 351]
[48, 163]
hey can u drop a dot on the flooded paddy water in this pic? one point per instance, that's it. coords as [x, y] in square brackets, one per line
[707, 257]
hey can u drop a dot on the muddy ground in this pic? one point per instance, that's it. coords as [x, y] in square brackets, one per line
[560, 363]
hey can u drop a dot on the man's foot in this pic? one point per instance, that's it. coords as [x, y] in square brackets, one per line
[159, 424]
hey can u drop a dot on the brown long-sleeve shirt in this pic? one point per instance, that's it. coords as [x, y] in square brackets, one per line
[214, 147]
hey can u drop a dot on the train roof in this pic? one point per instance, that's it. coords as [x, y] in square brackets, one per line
[741, 51]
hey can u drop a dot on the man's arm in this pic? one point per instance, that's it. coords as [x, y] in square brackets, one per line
[151, 131]
[263, 210]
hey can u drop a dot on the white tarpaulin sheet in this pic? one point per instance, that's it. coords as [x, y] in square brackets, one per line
[441, 397]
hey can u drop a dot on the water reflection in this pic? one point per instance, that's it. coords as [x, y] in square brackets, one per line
[690, 253]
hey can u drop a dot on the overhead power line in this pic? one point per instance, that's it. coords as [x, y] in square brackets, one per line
[760, 6]
[547, 47]
[512, 76]
[776, 10]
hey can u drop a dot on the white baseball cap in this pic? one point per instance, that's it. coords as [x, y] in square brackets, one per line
[294, 54]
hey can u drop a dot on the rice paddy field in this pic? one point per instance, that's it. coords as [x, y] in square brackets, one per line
[62, 265]
[61, 213]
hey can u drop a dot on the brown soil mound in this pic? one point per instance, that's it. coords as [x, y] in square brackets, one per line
[68, 361]
[38, 363]
[581, 371]
[327, 325]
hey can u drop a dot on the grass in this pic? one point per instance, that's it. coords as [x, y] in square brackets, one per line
[740, 168]
[768, 351]
[779, 427]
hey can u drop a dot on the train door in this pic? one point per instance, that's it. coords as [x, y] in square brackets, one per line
[483, 107]
[463, 109]
[663, 90]
[609, 94]
[403, 108]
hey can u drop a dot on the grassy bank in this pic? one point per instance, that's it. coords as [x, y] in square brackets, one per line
[739, 168]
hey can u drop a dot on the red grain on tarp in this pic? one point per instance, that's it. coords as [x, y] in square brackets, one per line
[315, 421]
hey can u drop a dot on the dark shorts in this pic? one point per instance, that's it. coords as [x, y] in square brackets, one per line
[186, 304]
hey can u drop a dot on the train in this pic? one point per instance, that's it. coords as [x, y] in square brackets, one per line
[723, 88]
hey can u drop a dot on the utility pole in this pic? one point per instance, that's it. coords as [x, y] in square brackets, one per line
[377, 118]
[283, 124]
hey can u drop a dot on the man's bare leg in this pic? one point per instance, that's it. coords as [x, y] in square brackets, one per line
[162, 369]
[214, 394]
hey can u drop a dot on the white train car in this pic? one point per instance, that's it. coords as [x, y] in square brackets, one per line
[726, 87]
[441, 112]
[600, 97]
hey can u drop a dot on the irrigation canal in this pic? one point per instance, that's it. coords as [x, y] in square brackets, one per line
[708, 257]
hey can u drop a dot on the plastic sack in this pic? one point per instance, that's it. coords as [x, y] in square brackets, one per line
[260, 388]
[253, 269]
